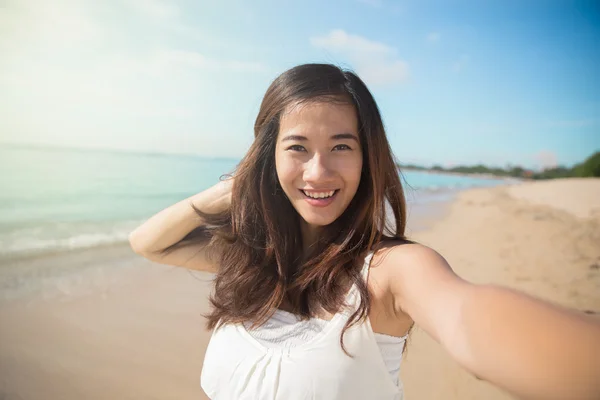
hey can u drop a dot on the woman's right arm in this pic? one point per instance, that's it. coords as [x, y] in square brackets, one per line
[172, 224]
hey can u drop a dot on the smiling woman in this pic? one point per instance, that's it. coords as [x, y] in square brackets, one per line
[319, 169]
[316, 285]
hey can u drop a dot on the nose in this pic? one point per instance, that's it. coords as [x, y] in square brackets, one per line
[317, 170]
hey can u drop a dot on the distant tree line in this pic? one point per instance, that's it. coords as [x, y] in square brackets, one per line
[588, 168]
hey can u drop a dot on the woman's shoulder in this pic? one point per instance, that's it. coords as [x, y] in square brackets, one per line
[387, 258]
[402, 261]
[390, 258]
[411, 274]
[390, 252]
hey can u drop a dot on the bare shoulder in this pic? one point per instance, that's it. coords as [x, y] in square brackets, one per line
[421, 282]
[408, 258]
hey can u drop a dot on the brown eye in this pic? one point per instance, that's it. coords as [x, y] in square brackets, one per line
[342, 147]
[296, 147]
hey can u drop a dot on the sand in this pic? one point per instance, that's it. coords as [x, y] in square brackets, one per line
[536, 242]
[580, 197]
[105, 324]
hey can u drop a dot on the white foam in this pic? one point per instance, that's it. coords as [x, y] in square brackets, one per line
[65, 237]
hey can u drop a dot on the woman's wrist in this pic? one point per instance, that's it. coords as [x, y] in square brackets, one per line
[215, 200]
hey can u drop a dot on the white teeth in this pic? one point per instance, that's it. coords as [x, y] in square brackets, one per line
[320, 195]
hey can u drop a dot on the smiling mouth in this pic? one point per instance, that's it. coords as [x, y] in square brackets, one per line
[320, 195]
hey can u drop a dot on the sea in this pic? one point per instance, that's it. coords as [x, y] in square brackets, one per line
[60, 199]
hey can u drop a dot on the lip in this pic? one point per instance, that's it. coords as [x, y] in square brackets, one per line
[319, 202]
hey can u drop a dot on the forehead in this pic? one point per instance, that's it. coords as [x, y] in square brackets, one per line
[317, 117]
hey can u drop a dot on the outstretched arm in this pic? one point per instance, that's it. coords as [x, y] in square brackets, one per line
[526, 346]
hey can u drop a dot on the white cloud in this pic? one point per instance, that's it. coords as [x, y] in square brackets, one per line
[460, 64]
[376, 62]
[340, 41]
[433, 37]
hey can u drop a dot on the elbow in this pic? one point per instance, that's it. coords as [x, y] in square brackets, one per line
[137, 244]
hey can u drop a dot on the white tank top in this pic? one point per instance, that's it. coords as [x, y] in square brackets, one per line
[238, 366]
[288, 330]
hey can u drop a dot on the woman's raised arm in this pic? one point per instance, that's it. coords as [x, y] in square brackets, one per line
[531, 348]
[172, 224]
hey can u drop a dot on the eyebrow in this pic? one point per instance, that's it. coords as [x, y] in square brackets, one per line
[339, 136]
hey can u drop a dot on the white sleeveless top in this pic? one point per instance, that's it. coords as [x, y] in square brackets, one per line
[288, 330]
[238, 366]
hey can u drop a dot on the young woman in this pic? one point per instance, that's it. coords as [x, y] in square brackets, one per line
[316, 285]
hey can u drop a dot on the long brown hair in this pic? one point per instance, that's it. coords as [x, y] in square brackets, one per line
[258, 244]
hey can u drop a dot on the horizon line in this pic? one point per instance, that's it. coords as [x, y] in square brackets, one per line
[45, 146]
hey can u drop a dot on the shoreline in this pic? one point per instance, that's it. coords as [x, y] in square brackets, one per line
[509, 179]
[65, 272]
[62, 230]
[424, 202]
[57, 252]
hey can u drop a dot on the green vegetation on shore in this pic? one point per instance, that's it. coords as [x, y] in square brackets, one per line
[588, 168]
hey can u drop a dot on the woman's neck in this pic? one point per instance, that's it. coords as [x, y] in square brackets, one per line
[310, 236]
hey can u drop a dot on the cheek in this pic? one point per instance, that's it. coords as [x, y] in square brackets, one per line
[287, 171]
[351, 171]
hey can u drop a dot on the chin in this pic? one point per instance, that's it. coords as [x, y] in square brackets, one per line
[319, 223]
[319, 220]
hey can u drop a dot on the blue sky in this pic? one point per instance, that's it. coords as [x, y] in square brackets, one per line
[458, 82]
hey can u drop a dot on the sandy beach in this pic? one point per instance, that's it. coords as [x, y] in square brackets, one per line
[539, 237]
[106, 324]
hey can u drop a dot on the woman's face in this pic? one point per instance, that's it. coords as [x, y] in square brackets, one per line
[318, 158]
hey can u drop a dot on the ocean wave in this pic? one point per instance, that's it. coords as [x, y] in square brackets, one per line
[39, 240]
